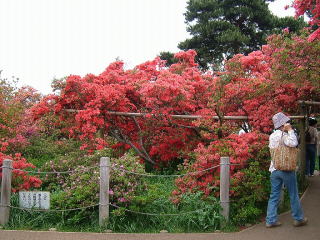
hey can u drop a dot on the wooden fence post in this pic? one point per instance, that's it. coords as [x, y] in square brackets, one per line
[5, 191]
[302, 130]
[225, 186]
[104, 190]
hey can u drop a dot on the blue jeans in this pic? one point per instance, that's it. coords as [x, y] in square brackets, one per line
[288, 178]
[310, 158]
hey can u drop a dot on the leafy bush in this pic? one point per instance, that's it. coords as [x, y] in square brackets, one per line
[251, 188]
[80, 188]
[191, 214]
[47, 148]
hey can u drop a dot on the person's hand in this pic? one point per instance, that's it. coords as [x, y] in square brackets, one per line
[287, 127]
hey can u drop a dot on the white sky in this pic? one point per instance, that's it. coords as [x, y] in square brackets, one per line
[44, 39]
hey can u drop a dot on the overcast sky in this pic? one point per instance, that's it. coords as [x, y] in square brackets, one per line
[45, 39]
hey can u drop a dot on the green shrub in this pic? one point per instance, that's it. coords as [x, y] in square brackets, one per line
[251, 191]
[193, 213]
[43, 149]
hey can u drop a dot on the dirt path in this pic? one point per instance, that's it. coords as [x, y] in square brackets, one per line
[310, 202]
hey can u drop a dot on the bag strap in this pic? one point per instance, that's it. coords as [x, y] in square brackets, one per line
[281, 140]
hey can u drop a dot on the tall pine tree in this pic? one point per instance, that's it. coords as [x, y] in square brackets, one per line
[223, 28]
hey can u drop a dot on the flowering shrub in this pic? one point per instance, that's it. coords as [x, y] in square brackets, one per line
[80, 188]
[295, 61]
[17, 125]
[85, 103]
[240, 149]
[257, 85]
[16, 128]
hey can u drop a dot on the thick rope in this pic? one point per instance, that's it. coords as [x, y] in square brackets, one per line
[55, 172]
[156, 214]
[50, 210]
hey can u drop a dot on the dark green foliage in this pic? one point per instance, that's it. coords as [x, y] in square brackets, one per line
[294, 25]
[168, 57]
[252, 192]
[44, 149]
[223, 28]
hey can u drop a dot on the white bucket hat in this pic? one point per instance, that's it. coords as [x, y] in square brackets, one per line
[279, 119]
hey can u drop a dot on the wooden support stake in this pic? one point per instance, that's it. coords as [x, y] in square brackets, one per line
[302, 145]
[5, 191]
[104, 190]
[225, 186]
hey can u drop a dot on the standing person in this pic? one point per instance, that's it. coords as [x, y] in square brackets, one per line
[311, 146]
[283, 132]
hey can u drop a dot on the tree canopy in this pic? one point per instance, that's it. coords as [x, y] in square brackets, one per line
[222, 28]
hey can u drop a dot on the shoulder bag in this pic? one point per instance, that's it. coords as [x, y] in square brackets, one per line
[284, 158]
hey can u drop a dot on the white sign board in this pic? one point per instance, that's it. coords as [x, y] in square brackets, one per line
[40, 200]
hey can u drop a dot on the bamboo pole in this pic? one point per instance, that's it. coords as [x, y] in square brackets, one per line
[192, 117]
[309, 103]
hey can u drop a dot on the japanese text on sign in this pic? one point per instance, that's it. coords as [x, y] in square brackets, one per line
[40, 200]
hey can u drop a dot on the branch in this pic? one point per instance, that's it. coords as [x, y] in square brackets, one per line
[141, 141]
[123, 138]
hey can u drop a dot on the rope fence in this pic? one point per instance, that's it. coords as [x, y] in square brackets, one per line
[50, 210]
[171, 175]
[157, 214]
[95, 205]
[54, 172]
[123, 170]
[104, 203]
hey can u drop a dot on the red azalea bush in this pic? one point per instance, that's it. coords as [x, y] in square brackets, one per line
[240, 149]
[85, 104]
[21, 180]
